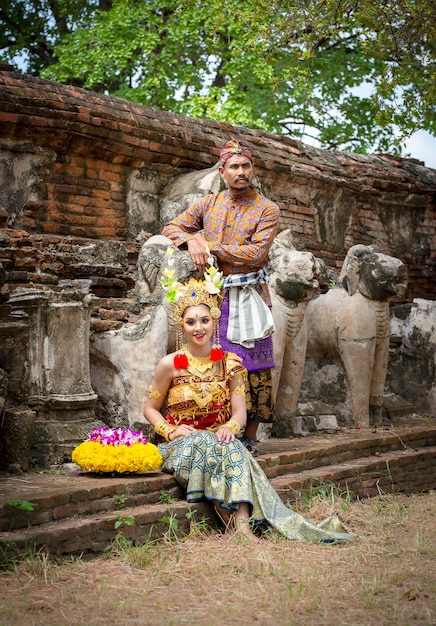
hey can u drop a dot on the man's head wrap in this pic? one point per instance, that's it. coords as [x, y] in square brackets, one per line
[235, 148]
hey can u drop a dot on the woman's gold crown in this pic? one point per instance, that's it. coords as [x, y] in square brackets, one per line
[194, 292]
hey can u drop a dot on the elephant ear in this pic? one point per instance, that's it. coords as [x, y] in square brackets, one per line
[350, 274]
[151, 263]
[281, 243]
[150, 266]
[349, 277]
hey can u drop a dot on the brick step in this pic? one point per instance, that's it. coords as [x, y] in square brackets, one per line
[78, 513]
[58, 497]
[330, 450]
[93, 534]
[405, 471]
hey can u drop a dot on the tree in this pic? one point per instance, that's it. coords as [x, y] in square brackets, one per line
[350, 72]
[29, 31]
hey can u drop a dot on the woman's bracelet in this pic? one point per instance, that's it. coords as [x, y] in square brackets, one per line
[232, 425]
[164, 429]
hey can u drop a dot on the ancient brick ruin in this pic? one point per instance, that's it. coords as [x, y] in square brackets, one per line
[82, 176]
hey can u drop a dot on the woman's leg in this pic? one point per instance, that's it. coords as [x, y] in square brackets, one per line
[238, 521]
[224, 515]
[241, 521]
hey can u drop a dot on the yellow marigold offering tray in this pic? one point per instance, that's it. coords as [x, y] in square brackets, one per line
[120, 450]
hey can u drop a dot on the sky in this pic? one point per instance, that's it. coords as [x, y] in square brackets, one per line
[422, 146]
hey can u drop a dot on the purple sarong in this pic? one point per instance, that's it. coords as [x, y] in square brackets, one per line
[261, 357]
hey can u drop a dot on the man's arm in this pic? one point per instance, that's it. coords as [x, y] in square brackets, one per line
[184, 232]
[181, 229]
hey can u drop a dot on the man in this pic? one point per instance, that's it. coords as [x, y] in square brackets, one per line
[237, 226]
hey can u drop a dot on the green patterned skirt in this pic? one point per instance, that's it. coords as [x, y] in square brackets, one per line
[228, 474]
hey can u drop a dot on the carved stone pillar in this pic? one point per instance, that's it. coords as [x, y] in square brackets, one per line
[57, 380]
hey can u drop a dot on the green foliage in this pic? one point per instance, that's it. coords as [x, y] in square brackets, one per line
[11, 556]
[172, 522]
[165, 497]
[352, 74]
[200, 526]
[138, 555]
[120, 500]
[173, 527]
[124, 520]
[8, 556]
[33, 463]
[22, 505]
[120, 545]
[143, 554]
[33, 29]
[324, 492]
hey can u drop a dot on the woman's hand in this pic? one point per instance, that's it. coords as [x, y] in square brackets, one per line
[181, 431]
[225, 435]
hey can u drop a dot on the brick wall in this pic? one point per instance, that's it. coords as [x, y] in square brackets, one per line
[41, 261]
[67, 158]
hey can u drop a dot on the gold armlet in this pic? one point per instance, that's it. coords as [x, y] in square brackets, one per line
[241, 384]
[154, 393]
[164, 429]
[239, 390]
[231, 425]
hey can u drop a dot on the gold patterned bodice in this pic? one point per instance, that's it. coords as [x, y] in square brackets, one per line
[203, 400]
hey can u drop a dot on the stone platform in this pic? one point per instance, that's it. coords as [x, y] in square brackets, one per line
[80, 513]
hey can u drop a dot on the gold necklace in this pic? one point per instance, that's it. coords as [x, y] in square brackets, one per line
[199, 365]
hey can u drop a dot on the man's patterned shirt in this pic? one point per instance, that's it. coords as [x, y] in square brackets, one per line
[239, 230]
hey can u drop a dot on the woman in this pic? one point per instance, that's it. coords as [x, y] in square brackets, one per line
[205, 411]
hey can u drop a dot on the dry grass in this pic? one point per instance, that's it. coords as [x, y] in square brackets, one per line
[386, 577]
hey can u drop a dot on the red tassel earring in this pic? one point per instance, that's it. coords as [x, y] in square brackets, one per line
[181, 361]
[216, 353]
[180, 358]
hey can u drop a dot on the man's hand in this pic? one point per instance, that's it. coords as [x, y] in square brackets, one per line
[199, 252]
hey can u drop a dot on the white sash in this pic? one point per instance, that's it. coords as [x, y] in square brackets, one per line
[249, 317]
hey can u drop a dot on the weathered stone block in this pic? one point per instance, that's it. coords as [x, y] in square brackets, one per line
[16, 436]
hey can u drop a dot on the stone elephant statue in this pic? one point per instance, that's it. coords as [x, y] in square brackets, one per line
[350, 324]
[293, 280]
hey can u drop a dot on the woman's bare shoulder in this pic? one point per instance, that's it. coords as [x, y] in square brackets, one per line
[167, 362]
[164, 371]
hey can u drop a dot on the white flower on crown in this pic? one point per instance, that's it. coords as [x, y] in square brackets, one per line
[174, 290]
[213, 280]
[181, 290]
